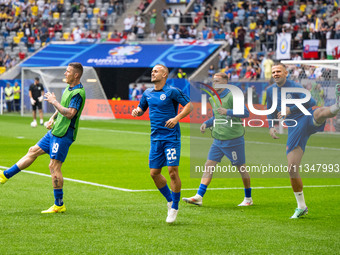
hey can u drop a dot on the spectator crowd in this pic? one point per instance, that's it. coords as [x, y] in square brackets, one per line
[248, 27]
[26, 25]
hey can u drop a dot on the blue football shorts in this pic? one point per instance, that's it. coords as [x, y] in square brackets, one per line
[56, 147]
[164, 153]
[299, 135]
[232, 149]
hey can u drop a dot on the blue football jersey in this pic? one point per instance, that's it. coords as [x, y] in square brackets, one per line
[163, 105]
[295, 111]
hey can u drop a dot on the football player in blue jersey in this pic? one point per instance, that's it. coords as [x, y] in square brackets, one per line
[165, 150]
[300, 127]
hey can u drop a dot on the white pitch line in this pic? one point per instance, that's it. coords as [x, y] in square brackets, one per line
[116, 131]
[155, 190]
[80, 181]
[206, 138]
[75, 180]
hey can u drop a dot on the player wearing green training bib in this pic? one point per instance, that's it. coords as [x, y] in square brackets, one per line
[228, 141]
[64, 124]
[225, 131]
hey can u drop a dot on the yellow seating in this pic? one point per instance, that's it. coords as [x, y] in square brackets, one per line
[56, 15]
[2, 69]
[20, 34]
[96, 11]
[16, 39]
[66, 35]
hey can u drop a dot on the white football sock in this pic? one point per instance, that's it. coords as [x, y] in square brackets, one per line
[300, 199]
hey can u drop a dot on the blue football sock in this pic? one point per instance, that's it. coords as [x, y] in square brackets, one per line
[11, 171]
[175, 198]
[247, 192]
[166, 192]
[202, 189]
[58, 196]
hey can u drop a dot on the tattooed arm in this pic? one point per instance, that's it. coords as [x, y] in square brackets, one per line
[67, 112]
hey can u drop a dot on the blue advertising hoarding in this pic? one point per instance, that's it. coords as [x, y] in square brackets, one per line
[122, 55]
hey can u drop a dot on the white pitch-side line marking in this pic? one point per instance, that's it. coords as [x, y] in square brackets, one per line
[74, 180]
[206, 138]
[116, 131]
[84, 182]
[154, 190]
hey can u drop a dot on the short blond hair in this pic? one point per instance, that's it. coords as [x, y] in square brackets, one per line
[279, 64]
[78, 68]
[165, 68]
[224, 76]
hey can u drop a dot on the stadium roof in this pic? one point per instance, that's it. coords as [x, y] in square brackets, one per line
[185, 54]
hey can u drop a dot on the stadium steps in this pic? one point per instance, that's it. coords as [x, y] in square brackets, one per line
[131, 7]
[201, 73]
[60, 54]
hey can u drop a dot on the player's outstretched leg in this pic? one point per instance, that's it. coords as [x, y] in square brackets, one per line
[32, 154]
[3, 178]
[205, 181]
[247, 201]
[294, 159]
[10, 172]
[320, 115]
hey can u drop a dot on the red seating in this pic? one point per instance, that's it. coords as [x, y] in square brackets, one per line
[22, 55]
[31, 40]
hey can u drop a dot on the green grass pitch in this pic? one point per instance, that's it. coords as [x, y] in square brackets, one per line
[100, 220]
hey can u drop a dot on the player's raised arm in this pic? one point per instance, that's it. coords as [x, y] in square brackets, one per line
[67, 112]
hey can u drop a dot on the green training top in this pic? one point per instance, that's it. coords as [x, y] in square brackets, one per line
[225, 131]
[62, 123]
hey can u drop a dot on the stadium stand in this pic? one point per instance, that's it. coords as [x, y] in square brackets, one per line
[249, 28]
[31, 24]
